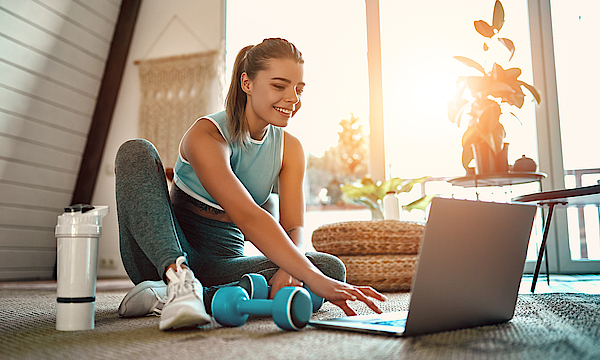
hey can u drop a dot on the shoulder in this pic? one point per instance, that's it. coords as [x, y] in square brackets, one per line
[292, 149]
[206, 130]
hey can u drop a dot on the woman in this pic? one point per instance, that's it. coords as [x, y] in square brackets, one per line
[226, 168]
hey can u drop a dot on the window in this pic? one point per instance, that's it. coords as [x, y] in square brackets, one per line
[332, 37]
[577, 74]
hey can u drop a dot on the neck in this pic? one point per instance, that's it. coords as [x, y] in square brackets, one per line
[258, 127]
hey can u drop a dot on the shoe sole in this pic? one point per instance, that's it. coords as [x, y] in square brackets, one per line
[185, 318]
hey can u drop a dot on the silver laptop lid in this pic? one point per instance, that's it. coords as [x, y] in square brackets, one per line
[470, 265]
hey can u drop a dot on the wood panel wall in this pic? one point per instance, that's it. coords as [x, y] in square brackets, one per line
[52, 58]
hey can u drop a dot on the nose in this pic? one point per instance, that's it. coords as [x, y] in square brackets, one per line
[292, 96]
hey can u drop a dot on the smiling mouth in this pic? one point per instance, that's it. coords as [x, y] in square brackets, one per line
[283, 111]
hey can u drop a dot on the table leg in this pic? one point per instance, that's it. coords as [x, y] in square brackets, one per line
[543, 248]
[546, 252]
[547, 267]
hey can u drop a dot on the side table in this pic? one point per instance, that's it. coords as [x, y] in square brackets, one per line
[588, 195]
[498, 179]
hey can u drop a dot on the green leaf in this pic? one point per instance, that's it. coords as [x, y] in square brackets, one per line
[470, 136]
[366, 202]
[509, 45]
[478, 84]
[484, 28]
[470, 63]
[457, 105]
[420, 204]
[489, 127]
[494, 137]
[407, 187]
[490, 116]
[389, 186]
[467, 156]
[498, 20]
[352, 191]
[516, 117]
[532, 90]
[368, 182]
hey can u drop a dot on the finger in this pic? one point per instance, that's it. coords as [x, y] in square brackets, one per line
[274, 289]
[342, 304]
[371, 305]
[361, 297]
[369, 291]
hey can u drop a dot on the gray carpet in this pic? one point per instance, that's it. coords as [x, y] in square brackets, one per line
[545, 326]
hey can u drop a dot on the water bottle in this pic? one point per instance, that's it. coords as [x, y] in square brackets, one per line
[77, 232]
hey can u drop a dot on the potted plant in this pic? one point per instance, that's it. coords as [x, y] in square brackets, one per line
[490, 91]
[371, 194]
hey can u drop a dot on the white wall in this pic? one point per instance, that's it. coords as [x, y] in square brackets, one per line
[52, 57]
[199, 26]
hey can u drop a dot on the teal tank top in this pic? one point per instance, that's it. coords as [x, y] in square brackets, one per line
[257, 166]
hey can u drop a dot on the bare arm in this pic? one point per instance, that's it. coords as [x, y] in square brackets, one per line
[208, 153]
[291, 204]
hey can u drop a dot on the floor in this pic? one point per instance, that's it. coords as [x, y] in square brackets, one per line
[589, 284]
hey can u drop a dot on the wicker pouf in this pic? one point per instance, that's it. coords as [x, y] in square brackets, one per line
[382, 272]
[379, 253]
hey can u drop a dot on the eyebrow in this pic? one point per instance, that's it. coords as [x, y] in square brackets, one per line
[286, 80]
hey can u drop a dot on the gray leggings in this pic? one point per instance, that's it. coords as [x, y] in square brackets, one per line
[154, 233]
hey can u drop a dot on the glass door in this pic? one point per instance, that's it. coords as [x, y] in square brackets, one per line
[419, 41]
[577, 76]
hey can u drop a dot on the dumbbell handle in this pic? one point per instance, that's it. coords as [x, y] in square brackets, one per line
[255, 306]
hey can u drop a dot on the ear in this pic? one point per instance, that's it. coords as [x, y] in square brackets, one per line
[245, 83]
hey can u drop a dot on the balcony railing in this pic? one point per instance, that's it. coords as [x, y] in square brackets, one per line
[584, 220]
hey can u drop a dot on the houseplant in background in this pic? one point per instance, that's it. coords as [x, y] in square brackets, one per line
[490, 92]
[372, 194]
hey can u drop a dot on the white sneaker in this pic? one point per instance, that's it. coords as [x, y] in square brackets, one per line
[146, 298]
[185, 305]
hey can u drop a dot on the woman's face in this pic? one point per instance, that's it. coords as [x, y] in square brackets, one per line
[274, 95]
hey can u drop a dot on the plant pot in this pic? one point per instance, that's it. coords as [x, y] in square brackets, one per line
[486, 162]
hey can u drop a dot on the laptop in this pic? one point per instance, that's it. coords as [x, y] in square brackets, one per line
[468, 271]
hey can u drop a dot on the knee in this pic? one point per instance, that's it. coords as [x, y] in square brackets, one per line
[135, 148]
[135, 152]
[329, 265]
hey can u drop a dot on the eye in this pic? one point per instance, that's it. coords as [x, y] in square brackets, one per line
[279, 87]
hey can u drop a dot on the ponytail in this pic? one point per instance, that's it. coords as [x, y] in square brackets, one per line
[235, 103]
[252, 59]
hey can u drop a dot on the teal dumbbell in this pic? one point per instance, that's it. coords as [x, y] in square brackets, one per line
[255, 285]
[291, 308]
[257, 288]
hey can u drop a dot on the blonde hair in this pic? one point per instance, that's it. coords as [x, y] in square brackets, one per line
[250, 60]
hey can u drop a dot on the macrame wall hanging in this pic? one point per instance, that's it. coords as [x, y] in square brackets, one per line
[175, 91]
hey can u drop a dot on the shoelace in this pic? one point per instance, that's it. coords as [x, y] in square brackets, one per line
[190, 283]
[182, 281]
[155, 309]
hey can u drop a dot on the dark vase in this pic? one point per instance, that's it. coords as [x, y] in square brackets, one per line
[486, 162]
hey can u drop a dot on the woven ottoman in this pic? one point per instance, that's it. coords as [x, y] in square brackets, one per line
[378, 253]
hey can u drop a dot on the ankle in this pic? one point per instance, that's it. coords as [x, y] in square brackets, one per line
[174, 267]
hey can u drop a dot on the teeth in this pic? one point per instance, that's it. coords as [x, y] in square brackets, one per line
[286, 111]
